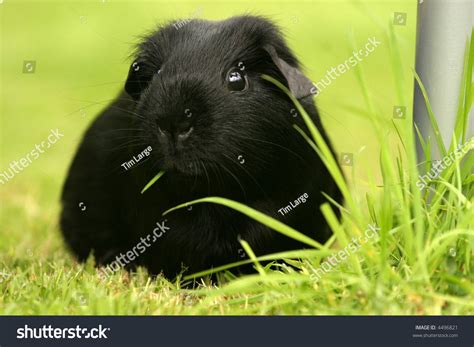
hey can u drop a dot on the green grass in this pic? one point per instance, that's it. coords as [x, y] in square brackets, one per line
[420, 263]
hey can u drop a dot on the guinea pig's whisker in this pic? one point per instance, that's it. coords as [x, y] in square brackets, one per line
[344, 126]
[236, 179]
[139, 138]
[132, 116]
[132, 144]
[121, 130]
[207, 177]
[195, 173]
[90, 102]
[100, 136]
[98, 85]
[95, 103]
[274, 144]
[128, 111]
[217, 175]
[250, 175]
[135, 143]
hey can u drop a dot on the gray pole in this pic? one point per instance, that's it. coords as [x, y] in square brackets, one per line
[443, 29]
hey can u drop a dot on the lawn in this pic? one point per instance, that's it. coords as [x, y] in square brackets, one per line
[420, 260]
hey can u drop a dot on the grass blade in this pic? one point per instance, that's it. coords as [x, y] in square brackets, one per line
[153, 180]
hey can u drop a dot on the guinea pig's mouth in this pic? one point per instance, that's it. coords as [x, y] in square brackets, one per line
[195, 168]
[184, 167]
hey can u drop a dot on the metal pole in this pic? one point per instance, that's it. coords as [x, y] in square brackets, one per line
[443, 29]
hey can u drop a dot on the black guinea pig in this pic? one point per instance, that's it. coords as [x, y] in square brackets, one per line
[195, 106]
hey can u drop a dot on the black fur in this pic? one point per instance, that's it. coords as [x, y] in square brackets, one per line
[243, 147]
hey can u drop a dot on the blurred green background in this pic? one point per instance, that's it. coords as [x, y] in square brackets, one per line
[82, 48]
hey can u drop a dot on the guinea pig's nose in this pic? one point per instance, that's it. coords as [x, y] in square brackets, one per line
[178, 134]
[163, 131]
[184, 134]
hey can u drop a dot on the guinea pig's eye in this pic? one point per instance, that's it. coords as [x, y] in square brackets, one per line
[236, 80]
[138, 79]
[136, 66]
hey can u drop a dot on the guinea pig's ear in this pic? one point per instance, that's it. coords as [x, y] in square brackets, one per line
[137, 80]
[300, 86]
